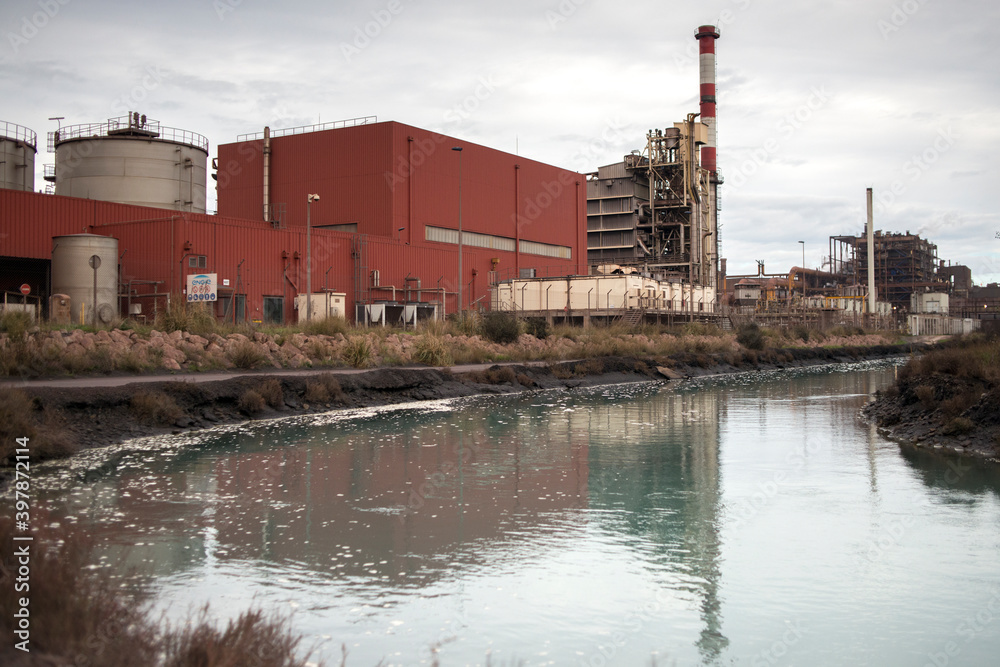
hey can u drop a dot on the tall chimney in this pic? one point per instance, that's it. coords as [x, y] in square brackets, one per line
[872, 294]
[706, 36]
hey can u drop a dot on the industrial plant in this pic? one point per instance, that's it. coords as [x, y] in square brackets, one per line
[382, 223]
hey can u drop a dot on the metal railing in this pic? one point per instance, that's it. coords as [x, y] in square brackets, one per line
[148, 128]
[305, 129]
[18, 133]
[49, 173]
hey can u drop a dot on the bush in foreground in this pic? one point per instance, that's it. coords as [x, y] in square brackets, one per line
[80, 616]
[500, 327]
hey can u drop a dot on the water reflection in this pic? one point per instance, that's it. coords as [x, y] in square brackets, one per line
[597, 527]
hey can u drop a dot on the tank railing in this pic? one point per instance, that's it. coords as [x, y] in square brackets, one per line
[112, 125]
[49, 173]
[18, 133]
[304, 129]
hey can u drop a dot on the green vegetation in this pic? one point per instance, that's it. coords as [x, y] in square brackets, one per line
[500, 327]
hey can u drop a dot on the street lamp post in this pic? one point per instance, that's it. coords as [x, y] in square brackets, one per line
[458, 149]
[309, 301]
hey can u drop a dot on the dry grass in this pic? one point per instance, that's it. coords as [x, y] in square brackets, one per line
[432, 351]
[358, 352]
[81, 616]
[155, 407]
[246, 355]
[251, 402]
[323, 389]
[21, 418]
[270, 390]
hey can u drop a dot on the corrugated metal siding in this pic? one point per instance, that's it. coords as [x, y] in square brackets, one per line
[240, 183]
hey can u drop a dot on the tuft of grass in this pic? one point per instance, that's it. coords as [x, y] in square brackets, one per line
[432, 351]
[246, 355]
[537, 327]
[251, 402]
[270, 390]
[82, 616]
[329, 326]
[155, 407]
[180, 315]
[358, 352]
[253, 638]
[15, 323]
[958, 426]
[323, 389]
[19, 419]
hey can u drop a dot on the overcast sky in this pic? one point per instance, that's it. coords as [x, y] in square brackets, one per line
[817, 101]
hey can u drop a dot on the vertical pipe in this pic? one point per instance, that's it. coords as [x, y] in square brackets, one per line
[871, 255]
[267, 173]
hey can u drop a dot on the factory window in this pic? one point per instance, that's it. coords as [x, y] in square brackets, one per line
[546, 249]
[349, 227]
[197, 261]
[471, 239]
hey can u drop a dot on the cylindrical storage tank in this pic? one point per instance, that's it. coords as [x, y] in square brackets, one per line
[18, 146]
[132, 160]
[73, 275]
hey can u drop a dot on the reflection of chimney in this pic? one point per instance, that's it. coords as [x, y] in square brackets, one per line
[706, 36]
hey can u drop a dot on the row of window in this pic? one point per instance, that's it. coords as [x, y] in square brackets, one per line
[476, 240]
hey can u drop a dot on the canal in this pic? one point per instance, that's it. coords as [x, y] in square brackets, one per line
[743, 520]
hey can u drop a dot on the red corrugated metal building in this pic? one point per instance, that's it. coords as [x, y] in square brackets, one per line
[389, 203]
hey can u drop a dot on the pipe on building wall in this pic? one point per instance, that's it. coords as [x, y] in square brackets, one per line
[409, 189]
[517, 220]
[267, 173]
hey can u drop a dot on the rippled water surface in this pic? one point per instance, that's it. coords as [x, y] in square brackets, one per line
[750, 520]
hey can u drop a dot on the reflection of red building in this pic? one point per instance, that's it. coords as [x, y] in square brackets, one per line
[416, 495]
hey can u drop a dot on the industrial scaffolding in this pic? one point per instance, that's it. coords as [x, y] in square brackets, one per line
[656, 210]
[904, 264]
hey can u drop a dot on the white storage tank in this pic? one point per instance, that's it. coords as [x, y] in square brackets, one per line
[18, 146]
[73, 275]
[132, 160]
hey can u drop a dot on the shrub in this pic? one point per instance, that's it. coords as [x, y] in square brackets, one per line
[323, 389]
[251, 402]
[17, 420]
[537, 327]
[328, 326]
[15, 323]
[246, 355]
[179, 315]
[155, 407]
[432, 351]
[500, 327]
[82, 616]
[270, 390]
[958, 426]
[525, 381]
[751, 337]
[925, 394]
[358, 352]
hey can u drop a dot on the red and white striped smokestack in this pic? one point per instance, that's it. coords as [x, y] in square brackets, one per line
[706, 36]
